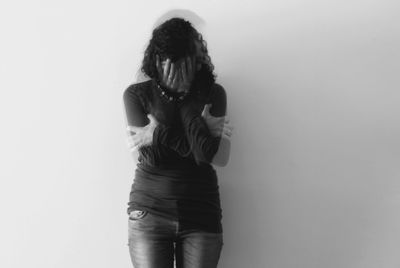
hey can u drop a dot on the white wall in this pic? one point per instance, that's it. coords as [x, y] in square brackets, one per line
[313, 179]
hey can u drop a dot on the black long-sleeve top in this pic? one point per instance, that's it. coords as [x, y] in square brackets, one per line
[174, 177]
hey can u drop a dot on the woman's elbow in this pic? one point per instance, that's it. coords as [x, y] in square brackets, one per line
[221, 158]
[217, 153]
[220, 163]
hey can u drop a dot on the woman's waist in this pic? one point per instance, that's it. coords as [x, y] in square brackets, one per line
[169, 191]
[169, 183]
[177, 171]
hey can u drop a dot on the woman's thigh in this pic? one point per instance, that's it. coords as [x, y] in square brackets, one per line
[198, 249]
[150, 240]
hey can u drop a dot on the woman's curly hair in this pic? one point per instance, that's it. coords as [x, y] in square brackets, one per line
[175, 39]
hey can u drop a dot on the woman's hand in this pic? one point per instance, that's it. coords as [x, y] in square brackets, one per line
[218, 126]
[142, 135]
[169, 75]
[177, 76]
[188, 71]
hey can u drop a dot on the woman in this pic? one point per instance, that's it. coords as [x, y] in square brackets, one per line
[177, 125]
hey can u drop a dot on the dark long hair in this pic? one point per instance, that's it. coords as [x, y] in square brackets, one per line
[174, 39]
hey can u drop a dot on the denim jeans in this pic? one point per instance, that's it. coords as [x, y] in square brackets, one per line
[155, 241]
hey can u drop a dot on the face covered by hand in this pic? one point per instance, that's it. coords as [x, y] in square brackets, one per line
[176, 76]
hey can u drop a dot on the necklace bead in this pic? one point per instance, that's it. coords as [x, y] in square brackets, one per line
[169, 97]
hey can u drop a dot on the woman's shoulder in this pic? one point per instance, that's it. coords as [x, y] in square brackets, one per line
[217, 91]
[139, 87]
[216, 87]
[210, 92]
[142, 90]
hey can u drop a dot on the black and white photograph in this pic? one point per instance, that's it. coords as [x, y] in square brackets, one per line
[200, 134]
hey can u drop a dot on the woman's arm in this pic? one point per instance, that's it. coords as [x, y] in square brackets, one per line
[201, 143]
[165, 135]
[205, 147]
[218, 109]
[135, 113]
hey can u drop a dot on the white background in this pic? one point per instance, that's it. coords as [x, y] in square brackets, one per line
[313, 91]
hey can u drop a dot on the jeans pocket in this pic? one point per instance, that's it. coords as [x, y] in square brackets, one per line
[135, 215]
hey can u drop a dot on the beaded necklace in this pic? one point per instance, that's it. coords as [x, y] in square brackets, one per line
[171, 96]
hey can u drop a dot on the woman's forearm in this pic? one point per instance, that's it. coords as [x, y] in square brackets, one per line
[172, 138]
[203, 145]
[221, 158]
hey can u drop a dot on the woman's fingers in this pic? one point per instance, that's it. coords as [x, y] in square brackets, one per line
[158, 65]
[224, 136]
[190, 66]
[167, 69]
[171, 74]
[228, 131]
[129, 133]
[134, 129]
[137, 131]
[175, 80]
[223, 133]
[228, 128]
[153, 120]
[135, 141]
[206, 110]
[183, 75]
[141, 136]
[184, 70]
[223, 130]
[131, 145]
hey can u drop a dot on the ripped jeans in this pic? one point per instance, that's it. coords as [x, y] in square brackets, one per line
[154, 242]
